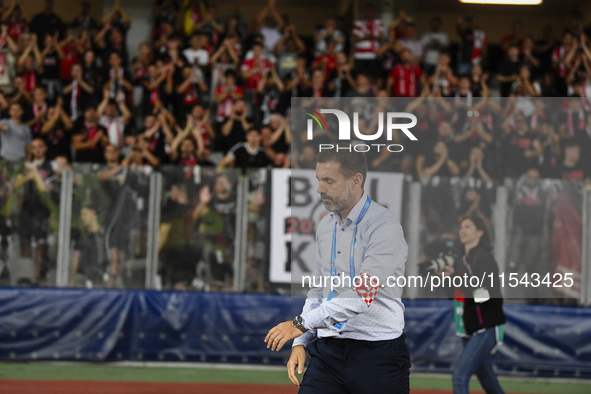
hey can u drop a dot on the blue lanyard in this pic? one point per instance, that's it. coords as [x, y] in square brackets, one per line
[333, 269]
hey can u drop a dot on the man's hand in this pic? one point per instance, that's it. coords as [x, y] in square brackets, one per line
[281, 334]
[296, 360]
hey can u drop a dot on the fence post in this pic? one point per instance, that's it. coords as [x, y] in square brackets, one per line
[413, 236]
[65, 224]
[154, 204]
[586, 249]
[240, 236]
[500, 227]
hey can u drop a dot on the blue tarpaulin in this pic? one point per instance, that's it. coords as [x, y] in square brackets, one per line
[112, 325]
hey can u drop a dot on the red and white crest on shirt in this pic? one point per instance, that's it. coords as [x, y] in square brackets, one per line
[365, 290]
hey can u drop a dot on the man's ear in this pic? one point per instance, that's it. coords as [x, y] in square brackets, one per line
[357, 180]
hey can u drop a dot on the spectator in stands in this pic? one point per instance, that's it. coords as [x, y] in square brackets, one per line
[368, 32]
[119, 86]
[83, 20]
[228, 60]
[329, 33]
[443, 76]
[114, 117]
[434, 42]
[196, 54]
[35, 210]
[361, 87]
[560, 62]
[252, 71]
[249, 154]
[15, 135]
[202, 125]
[234, 129]
[571, 167]
[544, 48]
[89, 138]
[473, 44]
[573, 120]
[78, 94]
[36, 112]
[478, 85]
[17, 19]
[46, 23]
[476, 168]
[306, 159]
[436, 157]
[287, 49]
[51, 56]
[410, 42]
[270, 24]
[25, 65]
[516, 37]
[523, 89]
[91, 254]
[549, 141]
[509, 70]
[56, 132]
[210, 26]
[475, 134]
[156, 136]
[118, 21]
[226, 94]
[405, 77]
[521, 149]
[474, 202]
[189, 92]
[269, 95]
[187, 143]
[388, 54]
[529, 58]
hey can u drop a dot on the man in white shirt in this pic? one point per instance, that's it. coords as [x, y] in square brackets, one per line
[196, 55]
[354, 333]
[433, 42]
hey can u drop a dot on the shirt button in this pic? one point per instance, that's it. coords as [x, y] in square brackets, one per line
[342, 229]
[339, 252]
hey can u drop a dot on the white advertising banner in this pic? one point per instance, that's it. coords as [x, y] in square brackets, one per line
[296, 210]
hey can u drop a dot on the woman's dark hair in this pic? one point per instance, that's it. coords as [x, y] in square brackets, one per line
[485, 241]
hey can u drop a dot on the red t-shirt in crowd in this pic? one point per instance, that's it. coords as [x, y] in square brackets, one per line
[225, 107]
[253, 81]
[406, 80]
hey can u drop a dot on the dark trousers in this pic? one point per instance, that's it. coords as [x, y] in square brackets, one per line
[348, 366]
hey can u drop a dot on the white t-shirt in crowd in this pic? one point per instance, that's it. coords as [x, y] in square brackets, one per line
[433, 44]
[201, 55]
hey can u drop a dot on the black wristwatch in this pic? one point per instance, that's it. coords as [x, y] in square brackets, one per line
[298, 323]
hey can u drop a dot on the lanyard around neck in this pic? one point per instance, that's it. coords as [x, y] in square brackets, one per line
[333, 269]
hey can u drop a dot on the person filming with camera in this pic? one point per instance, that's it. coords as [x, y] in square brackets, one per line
[478, 311]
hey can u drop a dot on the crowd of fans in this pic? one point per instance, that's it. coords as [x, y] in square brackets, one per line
[215, 90]
[223, 83]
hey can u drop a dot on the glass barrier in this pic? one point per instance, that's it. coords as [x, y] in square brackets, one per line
[258, 230]
[444, 202]
[197, 228]
[544, 235]
[30, 201]
[109, 226]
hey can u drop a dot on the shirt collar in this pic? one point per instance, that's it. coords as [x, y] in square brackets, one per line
[354, 214]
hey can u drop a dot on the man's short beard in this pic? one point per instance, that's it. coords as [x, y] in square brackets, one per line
[340, 202]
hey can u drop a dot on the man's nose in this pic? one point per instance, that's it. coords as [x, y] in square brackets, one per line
[321, 189]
